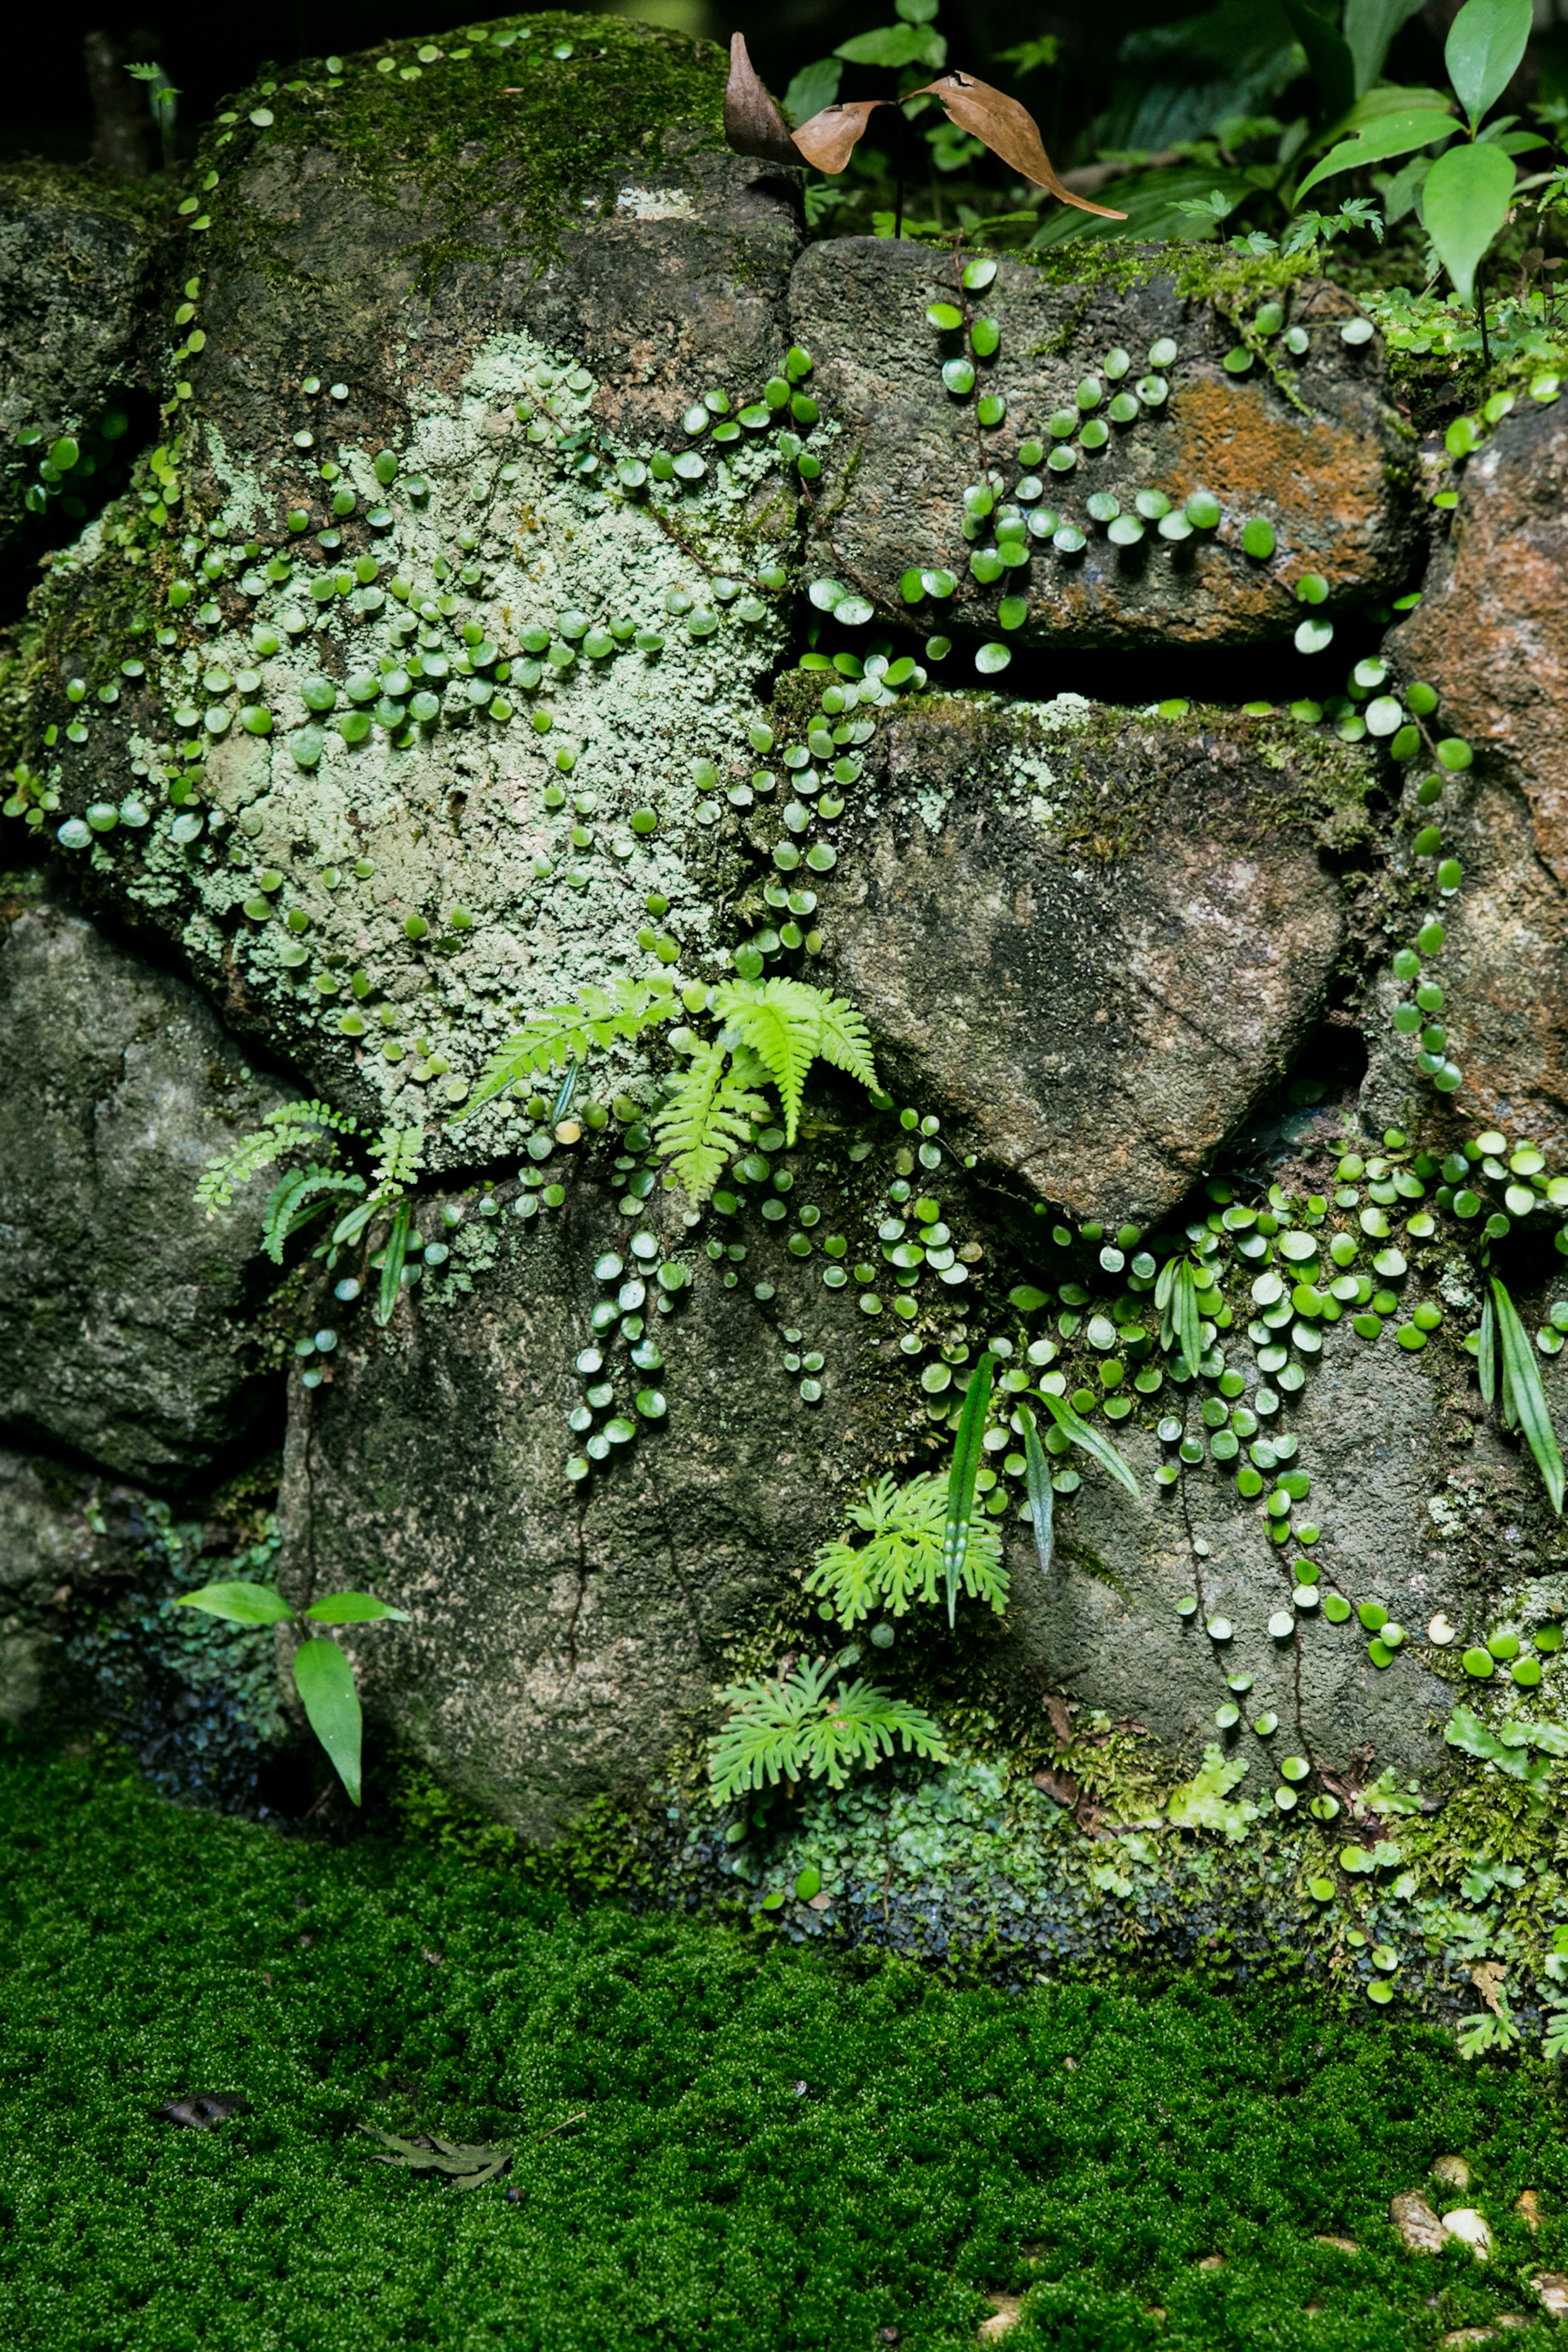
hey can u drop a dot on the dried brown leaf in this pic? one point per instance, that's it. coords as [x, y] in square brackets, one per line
[752, 123]
[829, 139]
[1009, 130]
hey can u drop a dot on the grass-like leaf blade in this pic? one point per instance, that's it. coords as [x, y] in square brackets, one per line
[1098, 1448]
[1486, 1357]
[391, 1263]
[1040, 1493]
[325, 1681]
[1528, 1397]
[962, 1476]
[1189, 1328]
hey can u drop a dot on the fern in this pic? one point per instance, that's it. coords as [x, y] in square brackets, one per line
[788, 1025]
[792, 1729]
[399, 1154]
[709, 1116]
[298, 1200]
[563, 1034]
[291, 1126]
[902, 1563]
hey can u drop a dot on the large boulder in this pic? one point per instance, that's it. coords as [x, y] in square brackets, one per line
[126, 1317]
[1131, 362]
[1095, 938]
[1491, 637]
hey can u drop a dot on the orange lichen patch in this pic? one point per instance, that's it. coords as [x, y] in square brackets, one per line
[1257, 456]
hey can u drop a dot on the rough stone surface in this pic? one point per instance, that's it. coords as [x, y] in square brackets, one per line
[1491, 635]
[65, 1538]
[75, 265]
[562, 1634]
[1332, 481]
[1095, 938]
[123, 1311]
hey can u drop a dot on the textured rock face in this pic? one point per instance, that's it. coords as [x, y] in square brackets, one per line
[1095, 938]
[75, 265]
[1329, 474]
[122, 1309]
[561, 1632]
[1491, 635]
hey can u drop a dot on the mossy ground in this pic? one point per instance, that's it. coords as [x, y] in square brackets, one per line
[776, 2150]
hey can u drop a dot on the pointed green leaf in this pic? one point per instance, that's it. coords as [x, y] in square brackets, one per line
[353, 1609]
[966, 1451]
[1040, 1493]
[1486, 41]
[1464, 202]
[1378, 141]
[1189, 1325]
[240, 1603]
[1486, 1359]
[1369, 29]
[392, 1264]
[1327, 58]
[325, 1681]
[1098, 1448]
[1528, 1397]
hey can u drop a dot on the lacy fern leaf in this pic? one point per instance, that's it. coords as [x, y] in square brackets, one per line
[291, 1126]
[788, 1025]
[302, 1195]
[791, 1728]
[709, 1116]
[903, 1562]
[563, 1034]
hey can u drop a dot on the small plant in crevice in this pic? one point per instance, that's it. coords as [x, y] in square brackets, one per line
[323, 1674]
[802, 1725]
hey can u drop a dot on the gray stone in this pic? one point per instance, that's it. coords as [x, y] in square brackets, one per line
[1091, 938]
[1318, 454]
[68, 1542]
[123, 1312]
[75, 257]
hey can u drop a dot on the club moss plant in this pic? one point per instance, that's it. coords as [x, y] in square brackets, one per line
[1141, 2168]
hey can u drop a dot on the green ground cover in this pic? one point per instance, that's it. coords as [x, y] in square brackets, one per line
[779, 2149]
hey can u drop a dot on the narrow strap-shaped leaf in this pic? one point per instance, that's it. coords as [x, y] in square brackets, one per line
[1486, 1359]
[1040, 1493]
[240, 1603]
[325, 1681]
[1189, 1326]
[1528, 1397]
[392, 1264]
[1098, 1448]
[961, 1479]
[1166, 1283]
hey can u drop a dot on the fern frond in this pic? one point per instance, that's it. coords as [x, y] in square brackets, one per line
[707, 1118]
[780, 1020]
[792, 1729]
[563, 1034]
[399, 1154]
[288, 1127]
[844, 1038]
[904, 1559]
[297, 1200]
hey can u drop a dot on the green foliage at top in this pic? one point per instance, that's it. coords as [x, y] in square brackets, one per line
[802, 1726]
[903, 1562]
[780, 2154]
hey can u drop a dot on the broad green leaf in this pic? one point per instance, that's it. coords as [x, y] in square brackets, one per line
[1098, 1448]
[1385, 135]
[896, 45]
[1486, 41]
[1333, 67]
[1369, 29]
[353, 1609]
[814, 87]
[242, 1604]
[1464, 204]
[1529, 1398]
[967, 1454]
[325, 1681]
[1040, 1493]
[391, 1263]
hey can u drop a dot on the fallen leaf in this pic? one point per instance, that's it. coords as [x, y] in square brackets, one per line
[1527, 2205]
[464, 2166]
[1488, 1981]
[198, 2111]
[752, 123]
[1009, 130]
[829, 138]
